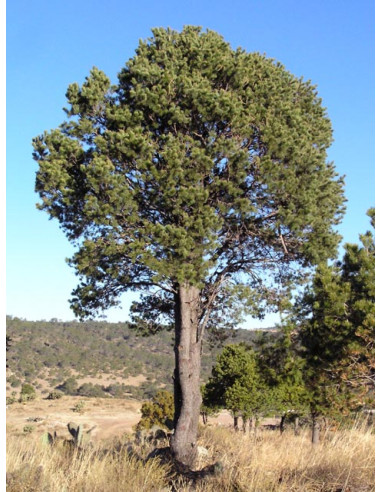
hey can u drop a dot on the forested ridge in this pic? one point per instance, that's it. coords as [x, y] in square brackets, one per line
[56, 350]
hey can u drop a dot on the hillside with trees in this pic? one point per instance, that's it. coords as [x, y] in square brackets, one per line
[55, 351]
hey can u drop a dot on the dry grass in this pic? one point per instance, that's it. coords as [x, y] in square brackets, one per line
[344, 461]
[32, 466]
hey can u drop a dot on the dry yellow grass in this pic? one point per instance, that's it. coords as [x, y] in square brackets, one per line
[32, 466]
[344, 461]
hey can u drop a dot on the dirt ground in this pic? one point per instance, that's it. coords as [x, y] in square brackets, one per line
[107, 417]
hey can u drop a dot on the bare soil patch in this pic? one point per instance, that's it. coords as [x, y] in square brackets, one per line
[108, 417]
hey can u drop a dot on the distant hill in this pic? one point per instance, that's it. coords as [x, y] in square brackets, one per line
[47, 353]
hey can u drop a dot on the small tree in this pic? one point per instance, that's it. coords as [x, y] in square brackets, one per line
[235, 383]
[208, 407]
[201, 175]
[282, 368]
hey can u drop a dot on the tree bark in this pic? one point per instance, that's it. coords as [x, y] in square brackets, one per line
[315, 430]
[296, 426]
[244, 421]
[282, 422]
[235, 420]
[187, 375]
[250, 425]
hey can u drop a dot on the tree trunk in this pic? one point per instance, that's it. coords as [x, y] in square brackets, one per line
[187, 375]
[250, 425]
[315, 430]
[244, 421]
[235, 419]
[296, 426]
[282, 422]
[256, 425]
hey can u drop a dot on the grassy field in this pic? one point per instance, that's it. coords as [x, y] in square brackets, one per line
[344, 461]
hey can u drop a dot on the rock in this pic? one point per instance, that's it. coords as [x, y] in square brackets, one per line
[202, 452]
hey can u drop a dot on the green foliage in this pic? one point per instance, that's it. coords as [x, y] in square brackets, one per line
[208, 406]
[14, 381]
[338, 330]
[358, 269]
[69, 387]
[203, 165]
[79, 407]
[28, 429]
[282, 368]
[54, 395]
[27, 392]
[92, 390]
[235, 383]
[126, 352]
[159, 411]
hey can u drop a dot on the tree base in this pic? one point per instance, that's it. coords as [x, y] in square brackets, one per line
[166, 458]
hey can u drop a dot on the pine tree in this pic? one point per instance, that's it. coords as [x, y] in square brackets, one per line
[202, 174]
[235, 384]
[282, 368]
[338, 332]
[324, 331]
[358, 270]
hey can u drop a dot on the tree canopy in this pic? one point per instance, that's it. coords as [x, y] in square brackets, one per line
[200, 163]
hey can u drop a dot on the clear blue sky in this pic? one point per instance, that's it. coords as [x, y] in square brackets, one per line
[51, 44]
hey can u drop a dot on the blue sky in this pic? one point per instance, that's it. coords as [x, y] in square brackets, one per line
[51, 44]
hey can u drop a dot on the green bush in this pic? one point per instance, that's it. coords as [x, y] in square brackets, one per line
[54, 395]
[117, 390]
[10, 400]
[79, 407]
[159, 411]
[28, 429]
[69, 387]
[14, 381]
[27, 392]
[91, 390]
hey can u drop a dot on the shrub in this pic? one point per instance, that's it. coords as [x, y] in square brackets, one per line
[79, 407]
[159, 411]
[27, 392]
[14, 381]
[117, 390]
[69, 387]
[91, 390]
[28, 429]
[54, 395]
